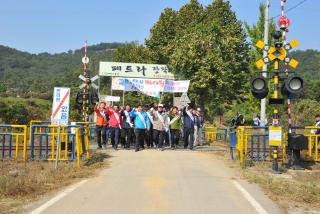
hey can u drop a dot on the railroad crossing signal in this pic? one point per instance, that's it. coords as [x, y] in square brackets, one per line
[88, 81]
[292, 86]
[86, 96]
[277, 53]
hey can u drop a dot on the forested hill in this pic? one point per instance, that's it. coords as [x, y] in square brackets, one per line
[309, 63]
[34, 75]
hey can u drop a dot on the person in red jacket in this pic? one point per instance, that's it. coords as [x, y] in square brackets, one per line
[101, 124]
[115, 124]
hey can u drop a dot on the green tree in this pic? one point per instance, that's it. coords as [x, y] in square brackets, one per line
[134, 53]
[161, 35]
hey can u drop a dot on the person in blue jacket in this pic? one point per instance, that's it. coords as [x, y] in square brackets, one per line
[142, 123]
[188, 126]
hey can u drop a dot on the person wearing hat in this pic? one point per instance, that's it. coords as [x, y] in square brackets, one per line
[160, 126]
[188, 126]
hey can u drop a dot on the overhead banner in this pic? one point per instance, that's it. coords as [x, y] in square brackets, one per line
[170, 86]
[179, 86]
[150, 87]
[60, 106]
[119, 69]
[117, 83]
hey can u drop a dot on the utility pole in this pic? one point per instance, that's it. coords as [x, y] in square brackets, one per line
[265, 54]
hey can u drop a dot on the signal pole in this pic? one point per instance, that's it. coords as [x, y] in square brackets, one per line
[85, 90]
[84, 97]
[265, 54]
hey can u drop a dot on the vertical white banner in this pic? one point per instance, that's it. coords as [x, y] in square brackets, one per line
[60, 106]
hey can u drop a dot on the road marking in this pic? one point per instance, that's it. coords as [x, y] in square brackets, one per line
[251, 200]
[57, 198]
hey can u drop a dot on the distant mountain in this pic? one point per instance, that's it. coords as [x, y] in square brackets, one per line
[34, 75]
[309, 64]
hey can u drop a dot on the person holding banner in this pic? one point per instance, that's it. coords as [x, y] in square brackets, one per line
[142, 124]
[188, 126]
[115, 125]
[160, 126]
[175, 126]
[101, 124]
[127, 127]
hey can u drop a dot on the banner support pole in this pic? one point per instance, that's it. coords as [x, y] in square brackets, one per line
[123, 93]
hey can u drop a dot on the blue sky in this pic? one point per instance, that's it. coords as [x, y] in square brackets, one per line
[59, 25]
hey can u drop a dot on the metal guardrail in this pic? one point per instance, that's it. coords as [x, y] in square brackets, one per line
[13, 140]
[313, 140]
[252, 143]
[44, 139]
[216, 134]
[40, 139]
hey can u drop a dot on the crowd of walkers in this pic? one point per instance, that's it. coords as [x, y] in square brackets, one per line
[142, 127]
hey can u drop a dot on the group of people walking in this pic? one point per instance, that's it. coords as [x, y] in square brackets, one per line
[140, 127]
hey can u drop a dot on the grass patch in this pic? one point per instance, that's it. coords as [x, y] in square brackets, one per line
[295, 191]
[21, 182]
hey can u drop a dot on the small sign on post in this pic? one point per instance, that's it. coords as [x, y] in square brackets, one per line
[184, 99]
[275, 135]
[107, 98]
[60, 113]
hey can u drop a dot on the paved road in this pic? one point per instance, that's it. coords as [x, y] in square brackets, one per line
[172, 182]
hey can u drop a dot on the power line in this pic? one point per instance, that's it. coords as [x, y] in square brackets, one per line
[290, 9]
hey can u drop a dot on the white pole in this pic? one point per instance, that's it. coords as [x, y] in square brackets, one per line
[265, 53]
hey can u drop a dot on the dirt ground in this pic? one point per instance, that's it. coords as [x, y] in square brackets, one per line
[295, 191]
[22, 183]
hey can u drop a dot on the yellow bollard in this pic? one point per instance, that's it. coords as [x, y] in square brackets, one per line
[17, 146]
[316, 149]
[310, 146]
[78, 147]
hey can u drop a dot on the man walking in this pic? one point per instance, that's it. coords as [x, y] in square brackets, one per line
[160, 126]
[175, 126]
[149, 133]
[101, 124]
[200, 123]
[142, 123]
[115, 125]
[188, 126]
[127, 127]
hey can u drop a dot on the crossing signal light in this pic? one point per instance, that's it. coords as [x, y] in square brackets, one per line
[94, 98]
[259, 87]
[292, 87]
[79, 98]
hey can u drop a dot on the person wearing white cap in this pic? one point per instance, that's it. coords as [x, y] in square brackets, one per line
[160, 125]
